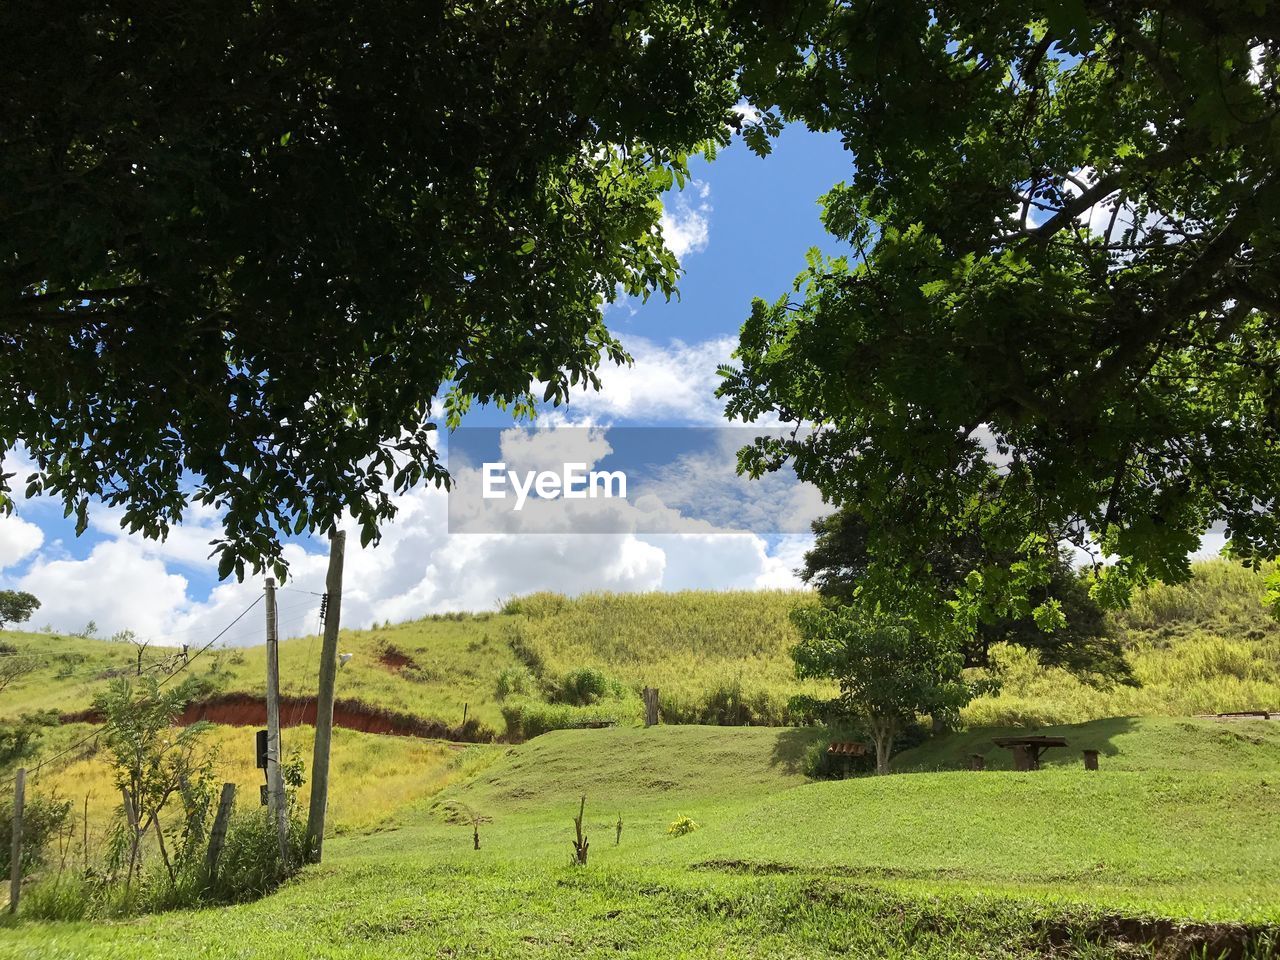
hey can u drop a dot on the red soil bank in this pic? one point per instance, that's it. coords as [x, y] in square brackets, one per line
[242, 710]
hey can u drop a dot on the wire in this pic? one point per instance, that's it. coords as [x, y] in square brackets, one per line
[83, 740]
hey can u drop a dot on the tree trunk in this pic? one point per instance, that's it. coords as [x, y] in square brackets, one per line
[883, 730]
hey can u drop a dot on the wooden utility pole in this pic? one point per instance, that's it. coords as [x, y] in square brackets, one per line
[15, 853]
[275, 776]
[324, 698]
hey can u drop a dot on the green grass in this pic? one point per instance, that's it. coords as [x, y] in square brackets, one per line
[374, 777]
[935, 864]
[1202, 647]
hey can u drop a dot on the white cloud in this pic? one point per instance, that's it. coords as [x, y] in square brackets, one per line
[418, 568]
[18, 540]
[672, 382]
[687, 228]
[116, 585]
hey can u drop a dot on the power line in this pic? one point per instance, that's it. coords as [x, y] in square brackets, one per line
[96, 733]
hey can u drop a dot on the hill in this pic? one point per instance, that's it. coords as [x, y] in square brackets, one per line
[547, 661]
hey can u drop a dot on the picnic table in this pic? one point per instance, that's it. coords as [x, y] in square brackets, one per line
[1027, 750]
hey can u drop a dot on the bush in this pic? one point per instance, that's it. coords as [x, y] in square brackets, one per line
[727, 705]
[250, 866]
[584, 686]
[516, 682]
[681, 826]
[42, 819]
[527, 718]
[820, 765]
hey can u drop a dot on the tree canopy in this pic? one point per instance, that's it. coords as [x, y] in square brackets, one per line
[17, 606]
[886, 668]
[839, 562]
[1065, 218]
[249, 257]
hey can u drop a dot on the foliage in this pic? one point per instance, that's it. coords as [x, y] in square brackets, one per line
[1064, 219]
[17, 606]
[527, 717]
[585, 686]
[839, 560]
[821, 765]
[249, 866]
[886, 669]
[43, 817]
[491, 179]
[516, 682]
[19, 740]
[681, 826]
[154, 761]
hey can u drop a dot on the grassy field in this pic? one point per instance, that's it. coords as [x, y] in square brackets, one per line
[375, 777]
[1202, 647]
[928, 864]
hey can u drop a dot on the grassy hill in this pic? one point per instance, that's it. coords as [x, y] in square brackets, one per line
[1202, 647]
[1061, 862]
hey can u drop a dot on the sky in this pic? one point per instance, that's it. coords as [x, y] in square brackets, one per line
[740, 229]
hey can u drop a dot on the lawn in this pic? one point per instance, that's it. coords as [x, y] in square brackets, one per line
[927, 864]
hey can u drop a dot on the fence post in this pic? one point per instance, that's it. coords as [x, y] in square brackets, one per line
[650, 696]
[15, 853]
[218, 835]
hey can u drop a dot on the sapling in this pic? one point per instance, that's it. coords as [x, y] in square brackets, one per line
[581, 844]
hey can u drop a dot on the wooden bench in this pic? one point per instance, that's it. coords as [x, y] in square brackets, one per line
[1027, 750]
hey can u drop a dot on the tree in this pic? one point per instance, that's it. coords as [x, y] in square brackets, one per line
[243, 254]
[153, 761]
[14, 667]
[17, 606]
[1065, 218]
[1083, 644]
[886, 668]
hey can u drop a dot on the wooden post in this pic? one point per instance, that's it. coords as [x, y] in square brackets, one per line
[218, 836]
[15, 852]
[977, 761]
[324, 698]
[650, 695]
[275, 776]
[1091, 759]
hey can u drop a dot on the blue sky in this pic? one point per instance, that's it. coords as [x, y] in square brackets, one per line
[741, 229]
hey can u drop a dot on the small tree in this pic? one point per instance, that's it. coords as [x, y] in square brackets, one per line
[17, 606]
[14, 668]
[153, 760]
[887, 671]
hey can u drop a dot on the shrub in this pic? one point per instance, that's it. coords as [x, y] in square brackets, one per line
[42, 819]
[527, 718]
[820, 765]
[682, 825]
[250, 866]
[516, 682]
[585, 686]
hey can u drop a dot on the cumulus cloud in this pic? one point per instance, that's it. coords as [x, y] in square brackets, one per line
[686, 225]
[417, 568]
[673, 382]
[18, 540]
